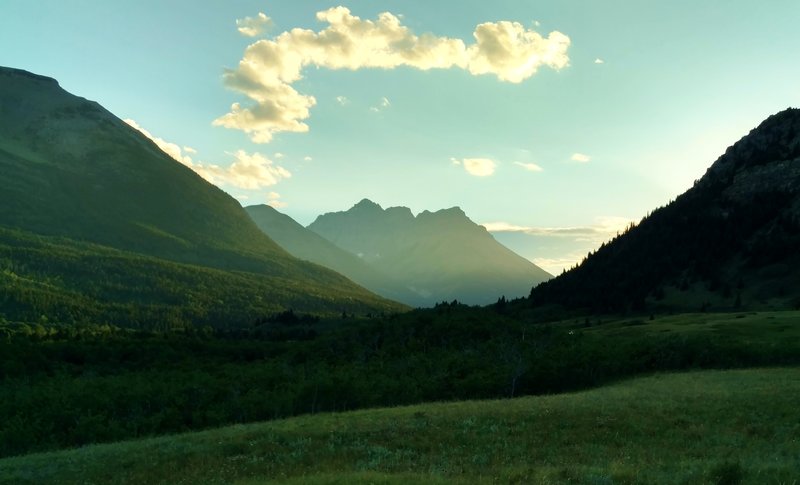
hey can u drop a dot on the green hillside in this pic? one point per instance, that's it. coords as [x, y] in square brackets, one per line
[708, 427]
[308, 245]
[60, 281]
[70, 169]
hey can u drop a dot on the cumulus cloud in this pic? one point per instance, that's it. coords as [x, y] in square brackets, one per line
[382, 105]
[248, 171]
[253, 26]
[274, 199]
[278, 155]
[479, 167]
[252, 171]
[269, 67]
[599, 61]
[531, 167]
[307, 158]
[580, 157]
[189, 150]
[342, 100]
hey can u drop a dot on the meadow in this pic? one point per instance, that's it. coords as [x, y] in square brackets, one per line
[706, 427]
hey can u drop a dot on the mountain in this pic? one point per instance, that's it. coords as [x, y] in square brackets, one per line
[440, 256]
[71, 169]
[730, 241]
[308, 245]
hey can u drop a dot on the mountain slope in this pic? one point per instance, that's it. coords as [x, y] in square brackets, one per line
[308, 245]
[439, 255]
[69, 168]
[730, 241]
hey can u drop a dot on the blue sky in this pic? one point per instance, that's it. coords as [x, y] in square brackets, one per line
[562, 151]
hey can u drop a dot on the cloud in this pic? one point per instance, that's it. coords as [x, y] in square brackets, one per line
[479, 167]
[273, 199]
[248, 171]
[604, 228]
[382, 105]
[599, 61]
[253, 26]
[555, 266]
[531, 167]
[189, 150]
[278, 155]
[251, 171]
[269, 67]
[307, 158]
[172, 149]
[580, 157]
[342, 100]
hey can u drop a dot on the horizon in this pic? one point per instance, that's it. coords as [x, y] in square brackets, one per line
[594, 117]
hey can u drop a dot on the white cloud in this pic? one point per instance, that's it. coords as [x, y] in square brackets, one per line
[479, 167]
[556, 248]
[269, 67]
[504, 227]
[242, 197]
[278, 155]
[580, 157]
[599, 61]
[555, 266]
[253, 26]
[307, 158]
[604, 228]
[171, 149]
[531, 167]
[251, 171]
[342, 100]
[246, 172]
[189, 150]
[382, 105]
[274, 199]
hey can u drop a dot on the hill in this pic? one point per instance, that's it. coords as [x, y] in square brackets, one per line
[305, 244]
[440, 256]
[731, 241]
[716, 427]
[71, 169]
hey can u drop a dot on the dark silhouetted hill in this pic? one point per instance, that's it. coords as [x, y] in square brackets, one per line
[731, 241]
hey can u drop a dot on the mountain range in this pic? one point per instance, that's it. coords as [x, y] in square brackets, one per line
[731, 241]
[437, 256]
[82, 185]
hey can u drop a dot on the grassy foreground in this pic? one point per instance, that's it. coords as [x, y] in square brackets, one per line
[721, 427]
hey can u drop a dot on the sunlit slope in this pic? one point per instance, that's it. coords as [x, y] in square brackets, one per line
[703, 427]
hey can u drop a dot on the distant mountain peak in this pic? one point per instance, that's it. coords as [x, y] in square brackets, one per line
[441, 255]
[366, 204]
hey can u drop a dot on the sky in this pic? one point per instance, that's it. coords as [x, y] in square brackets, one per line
[553, 123]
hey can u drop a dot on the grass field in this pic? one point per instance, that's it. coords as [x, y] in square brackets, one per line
[716, 427]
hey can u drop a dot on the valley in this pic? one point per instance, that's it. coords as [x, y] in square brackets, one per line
[500, 242]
